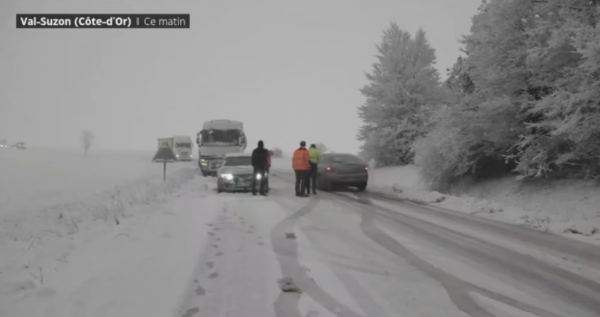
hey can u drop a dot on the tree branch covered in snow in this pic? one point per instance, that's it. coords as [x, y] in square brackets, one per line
[525, 97]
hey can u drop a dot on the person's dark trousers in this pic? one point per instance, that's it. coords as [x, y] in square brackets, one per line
[300, 182]
[313, 178]
[260, 172]
[268, 172]
[306, 190]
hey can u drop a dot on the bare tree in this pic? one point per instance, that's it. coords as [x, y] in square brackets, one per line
[87, 140]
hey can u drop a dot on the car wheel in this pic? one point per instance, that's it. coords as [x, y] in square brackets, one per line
[362, 187]
[323, 184]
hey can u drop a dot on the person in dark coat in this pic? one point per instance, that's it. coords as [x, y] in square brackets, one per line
[260, 159]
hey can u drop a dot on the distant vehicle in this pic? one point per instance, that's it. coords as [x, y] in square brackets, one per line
[216, 139]
[19, 146]
[182, 147]
[342, 170]
[236, 174]
[4, 144]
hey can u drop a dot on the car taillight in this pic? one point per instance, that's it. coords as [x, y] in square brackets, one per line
[366, 168]
[329, 168]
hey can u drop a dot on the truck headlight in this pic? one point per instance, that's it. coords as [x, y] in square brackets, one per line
[227, 176]
[258, 176]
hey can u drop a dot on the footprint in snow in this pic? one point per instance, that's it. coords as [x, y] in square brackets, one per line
[191, 312]
[213, 275]
[200, 291]
[210, 264]
[219, 254]
[215, 246]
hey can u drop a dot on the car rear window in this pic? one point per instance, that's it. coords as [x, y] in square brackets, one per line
[238, 161]
[345, 159]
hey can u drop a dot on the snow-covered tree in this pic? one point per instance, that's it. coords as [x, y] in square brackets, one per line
[563, 126]
[404, 85]
[525, 96]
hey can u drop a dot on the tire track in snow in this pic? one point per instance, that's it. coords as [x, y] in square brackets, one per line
[457, 289]
[286, 250]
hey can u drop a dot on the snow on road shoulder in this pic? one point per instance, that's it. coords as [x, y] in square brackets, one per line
[141, 267]
[38, 238]
[563, 207]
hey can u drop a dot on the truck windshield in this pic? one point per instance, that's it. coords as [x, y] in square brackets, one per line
[238, 161]
[220, 137]
[183, 144]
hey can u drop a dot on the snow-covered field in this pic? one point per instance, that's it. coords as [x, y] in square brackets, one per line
[563, 207]
[64, 218]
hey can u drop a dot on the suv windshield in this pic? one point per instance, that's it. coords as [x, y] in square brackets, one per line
[238, 161]
[345, 158]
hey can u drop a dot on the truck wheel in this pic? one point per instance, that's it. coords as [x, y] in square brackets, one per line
[204, 174]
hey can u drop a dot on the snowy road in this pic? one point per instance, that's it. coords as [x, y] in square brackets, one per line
[364, 255]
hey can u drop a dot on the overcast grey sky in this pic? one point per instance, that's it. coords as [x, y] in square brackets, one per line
[290, 70]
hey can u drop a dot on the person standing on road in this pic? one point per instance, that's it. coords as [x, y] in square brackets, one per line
[301, 166]
[260, 157]
[314, 158]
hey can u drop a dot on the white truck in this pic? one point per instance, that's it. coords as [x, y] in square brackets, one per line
[217, 138]
[181, 145]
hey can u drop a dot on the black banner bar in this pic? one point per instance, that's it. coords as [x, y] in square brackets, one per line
[103, 21]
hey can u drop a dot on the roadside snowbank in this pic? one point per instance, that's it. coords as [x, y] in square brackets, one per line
[36, 178]
[141, 267]
[563, 207]
[39, 236]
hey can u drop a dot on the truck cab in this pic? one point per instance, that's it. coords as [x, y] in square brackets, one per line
[182, 147]
[216, 139]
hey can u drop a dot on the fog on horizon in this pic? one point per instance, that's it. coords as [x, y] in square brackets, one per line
[290, 71]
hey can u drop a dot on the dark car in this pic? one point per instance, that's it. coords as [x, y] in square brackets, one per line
[20, 146]
[4, 144]
[342, 170]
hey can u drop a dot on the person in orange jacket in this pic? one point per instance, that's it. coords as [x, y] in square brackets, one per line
[301, 166]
